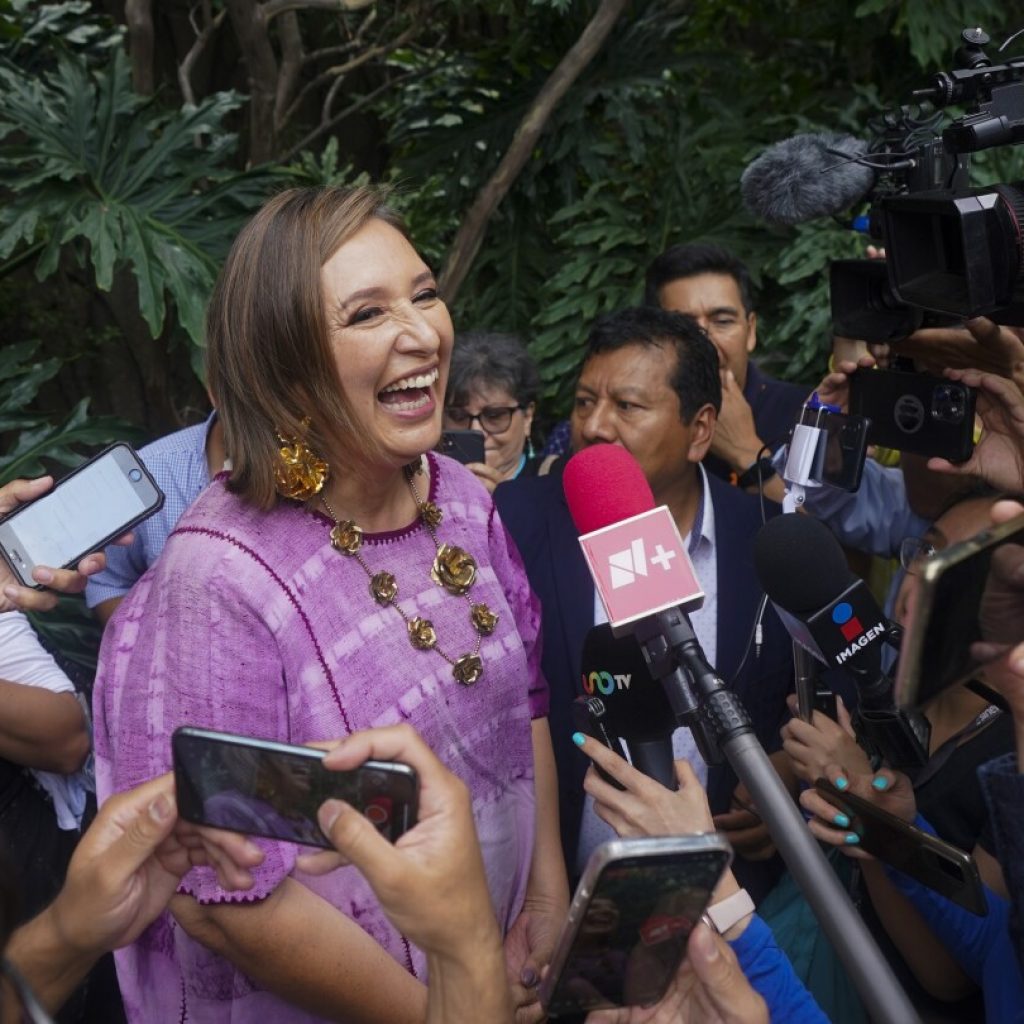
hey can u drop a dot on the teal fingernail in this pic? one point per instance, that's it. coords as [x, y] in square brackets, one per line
[842, 820]
[579, 739]
[841, 782]
[851, 839]
[880, 782]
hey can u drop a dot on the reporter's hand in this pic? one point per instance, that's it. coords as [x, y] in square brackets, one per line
[529, 947]
[645, 807]
[998, 458]
[431, 882]
[128, 864]
[813, 746]
[890, 791]
[743, 826]
[834, 388]
[735, 439]
[57, 581]
[980, 343]
[709, 988]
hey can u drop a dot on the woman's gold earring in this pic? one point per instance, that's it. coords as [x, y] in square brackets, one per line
[299, 472]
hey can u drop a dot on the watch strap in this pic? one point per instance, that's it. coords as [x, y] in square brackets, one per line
[724, 914]
[762, 468]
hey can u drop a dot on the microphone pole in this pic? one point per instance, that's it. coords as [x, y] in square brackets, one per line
[720, 723]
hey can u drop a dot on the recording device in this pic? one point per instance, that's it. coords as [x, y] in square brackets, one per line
[951, 613]
[952, 251]
[832, 614]
[634, 707]
[463, 446]
[590, 717]
[842, 447]
[915, 412]
[931, 861]
[86, 510]
[630, 920]
[271, 789]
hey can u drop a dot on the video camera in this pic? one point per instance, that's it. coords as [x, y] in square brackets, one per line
[952, 251]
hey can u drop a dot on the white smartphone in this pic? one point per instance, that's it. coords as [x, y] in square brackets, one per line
[629, 921]
[93, 505]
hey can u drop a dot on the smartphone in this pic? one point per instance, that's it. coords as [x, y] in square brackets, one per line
[629, 921]
[839, 461]
[590, 717]
[462, 445]
[271, 789]
[946, 616]
[931, 861]
[916, 412]
[91, 506]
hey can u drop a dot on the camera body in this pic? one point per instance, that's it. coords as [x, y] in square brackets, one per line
[952, 251]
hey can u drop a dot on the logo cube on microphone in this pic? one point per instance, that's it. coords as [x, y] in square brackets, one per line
[848, 623]
[640, 566]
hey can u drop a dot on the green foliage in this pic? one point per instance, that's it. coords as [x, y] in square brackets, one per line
[102, 174]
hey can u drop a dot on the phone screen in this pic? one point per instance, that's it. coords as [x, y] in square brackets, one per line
[840, 458]
[268, 789]
[633, 933]
[952, 620]
[81, 511]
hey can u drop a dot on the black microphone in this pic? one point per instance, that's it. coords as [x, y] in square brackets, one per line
[633, 707]
[799, 179]
[831, 613]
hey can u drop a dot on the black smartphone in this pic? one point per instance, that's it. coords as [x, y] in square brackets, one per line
[590, 717]
[271, 789]
[841, 453]
[464, 446]
[629, 921]
[83, 512]
[931, 861]
[947, 616]
[916, 412]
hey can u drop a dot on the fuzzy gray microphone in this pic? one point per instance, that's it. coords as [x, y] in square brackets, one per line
[798, 179]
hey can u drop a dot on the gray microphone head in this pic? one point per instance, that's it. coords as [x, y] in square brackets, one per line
[797, 180]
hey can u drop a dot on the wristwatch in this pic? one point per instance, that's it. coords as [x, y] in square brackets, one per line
[749, 477]
[724, 914]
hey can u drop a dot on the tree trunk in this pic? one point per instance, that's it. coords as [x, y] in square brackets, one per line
[250, 26]
[473, 228]
[139, 16]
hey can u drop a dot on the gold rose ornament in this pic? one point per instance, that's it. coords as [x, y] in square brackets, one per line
[453, 569]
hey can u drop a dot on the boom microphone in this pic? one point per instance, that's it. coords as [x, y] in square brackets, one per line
[798, 179]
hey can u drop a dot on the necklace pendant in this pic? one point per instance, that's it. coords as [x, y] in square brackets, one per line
[383, 587]
[453, 569]
[421, 634]
[431, 514]
[346, 537]
[483, 619]
[468, 669]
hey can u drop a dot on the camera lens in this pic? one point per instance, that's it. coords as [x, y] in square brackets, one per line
[948, 404]
[135, 475]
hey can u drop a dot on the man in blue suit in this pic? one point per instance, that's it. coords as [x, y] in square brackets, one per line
[650, 382]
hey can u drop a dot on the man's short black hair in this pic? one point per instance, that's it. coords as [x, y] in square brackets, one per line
[696, 379]
[691, 260]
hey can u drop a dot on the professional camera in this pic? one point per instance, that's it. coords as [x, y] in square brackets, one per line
[952, 251]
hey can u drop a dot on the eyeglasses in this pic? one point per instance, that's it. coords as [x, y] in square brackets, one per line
[495, 419]
[914, 551]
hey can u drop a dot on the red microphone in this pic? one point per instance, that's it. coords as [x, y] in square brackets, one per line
[633, 549]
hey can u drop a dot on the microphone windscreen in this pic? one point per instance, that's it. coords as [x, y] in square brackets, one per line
[603, 485]
[798, 179]
[800, 564]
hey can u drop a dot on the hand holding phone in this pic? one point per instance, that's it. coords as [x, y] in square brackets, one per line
[465, 446]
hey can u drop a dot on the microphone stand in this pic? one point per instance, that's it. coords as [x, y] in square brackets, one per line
[720, 724]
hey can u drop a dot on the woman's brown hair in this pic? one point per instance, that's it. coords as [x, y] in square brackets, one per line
[269, 360]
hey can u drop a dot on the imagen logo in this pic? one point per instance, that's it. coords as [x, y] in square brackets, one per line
[853, 632]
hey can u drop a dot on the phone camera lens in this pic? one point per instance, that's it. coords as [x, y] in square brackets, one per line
[948, 404]
[135, 475]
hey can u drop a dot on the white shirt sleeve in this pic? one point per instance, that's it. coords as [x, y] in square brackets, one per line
[23, 659]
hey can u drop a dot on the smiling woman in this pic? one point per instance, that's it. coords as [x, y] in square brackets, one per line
[340, 576]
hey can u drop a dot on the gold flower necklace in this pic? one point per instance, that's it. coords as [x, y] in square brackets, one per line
[453, 568]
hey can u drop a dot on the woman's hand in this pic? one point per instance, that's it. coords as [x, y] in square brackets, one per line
[891, 791]
[529, 947]
[57, 581]
[487, 475]
[644, 807]
[709, 988]
[813, 746]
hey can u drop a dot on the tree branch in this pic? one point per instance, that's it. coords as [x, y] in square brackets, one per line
[272, 8]
[290, 68]
[352, 44]
[352, 108]
[473, 228]
[195, 51]
[139, 17]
